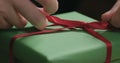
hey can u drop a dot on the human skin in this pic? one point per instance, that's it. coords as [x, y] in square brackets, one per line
[113, 15]
[18, 12]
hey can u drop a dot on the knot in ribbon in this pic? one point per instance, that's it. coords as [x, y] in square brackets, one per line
[77, 24]
[89, 27]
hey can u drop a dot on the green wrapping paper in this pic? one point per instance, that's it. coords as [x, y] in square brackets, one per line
[69, 46]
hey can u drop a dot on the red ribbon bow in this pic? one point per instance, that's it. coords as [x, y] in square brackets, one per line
[89, 27]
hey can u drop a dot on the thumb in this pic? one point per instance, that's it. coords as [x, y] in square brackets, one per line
[108, 15]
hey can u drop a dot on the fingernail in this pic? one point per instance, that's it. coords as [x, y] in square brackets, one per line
[41, 25]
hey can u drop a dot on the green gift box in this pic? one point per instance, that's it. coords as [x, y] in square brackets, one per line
[69, 46]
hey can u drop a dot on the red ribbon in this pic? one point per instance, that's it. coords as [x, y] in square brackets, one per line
[70, 24]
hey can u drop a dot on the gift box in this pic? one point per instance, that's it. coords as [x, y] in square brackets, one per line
[68, 46]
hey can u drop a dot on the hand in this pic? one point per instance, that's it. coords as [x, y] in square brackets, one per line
[113, 15]
[18, 12]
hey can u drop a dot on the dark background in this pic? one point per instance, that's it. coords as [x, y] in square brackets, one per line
[91, 8]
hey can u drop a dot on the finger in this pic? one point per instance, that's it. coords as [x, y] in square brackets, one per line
[4, 24]
[50, 6]
[23, 20]
[43, 11]
[31, 13]
[13, 19]
[108, 15]
[115, 20]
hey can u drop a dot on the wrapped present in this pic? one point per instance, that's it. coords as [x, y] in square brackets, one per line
[68, 46]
